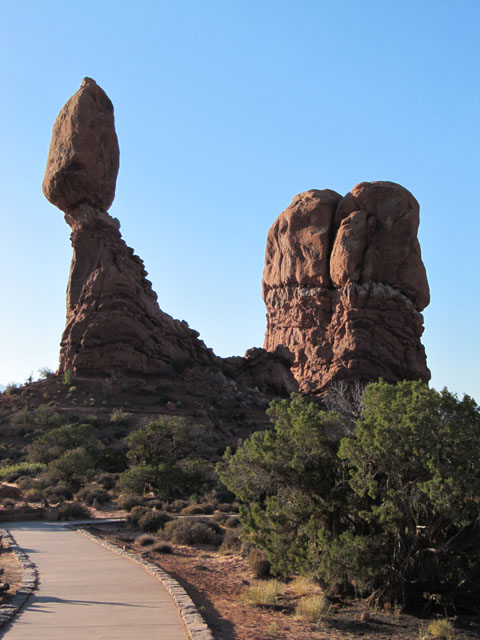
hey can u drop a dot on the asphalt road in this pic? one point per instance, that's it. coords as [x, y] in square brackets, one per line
[87, 592]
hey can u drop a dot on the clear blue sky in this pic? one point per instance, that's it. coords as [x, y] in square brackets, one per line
[225, 110]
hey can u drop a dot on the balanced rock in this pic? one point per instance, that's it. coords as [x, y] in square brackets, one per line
[344, 286]
[83, 160]
[114, 322]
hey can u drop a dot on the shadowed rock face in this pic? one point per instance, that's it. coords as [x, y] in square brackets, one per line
[344, 285]
[113, 320]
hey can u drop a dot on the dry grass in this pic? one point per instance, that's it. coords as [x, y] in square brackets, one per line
[441, 629]
[303, 586]
[262, 593]
[312, 608]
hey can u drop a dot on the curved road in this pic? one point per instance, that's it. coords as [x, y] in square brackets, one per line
[86, 591]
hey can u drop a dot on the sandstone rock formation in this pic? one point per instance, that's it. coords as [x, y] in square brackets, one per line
[113, 320]
[344, 285]
[114, 323]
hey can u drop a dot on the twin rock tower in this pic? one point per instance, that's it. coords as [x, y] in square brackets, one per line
[344, 284]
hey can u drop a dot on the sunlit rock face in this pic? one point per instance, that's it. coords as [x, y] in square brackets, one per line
[344, 285]
[114, 322]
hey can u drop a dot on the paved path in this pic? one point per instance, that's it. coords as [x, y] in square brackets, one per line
[87, 592]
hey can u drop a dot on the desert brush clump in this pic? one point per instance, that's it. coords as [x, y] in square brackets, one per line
[262, 593]
[189, 532]
[312, 608]
[441, 629]
[390, 512]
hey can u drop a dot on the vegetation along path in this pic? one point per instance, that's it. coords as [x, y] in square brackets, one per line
[86, 591]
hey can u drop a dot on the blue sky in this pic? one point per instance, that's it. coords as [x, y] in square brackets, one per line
[225, 110]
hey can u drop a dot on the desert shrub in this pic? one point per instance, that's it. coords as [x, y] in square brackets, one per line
[232, 522]
[72, 462]
[220, 518]
[145, 539]
[106, 480]
[231, 541]
[33, 495]
[56, 442]
[166, 440]
[190, 532]
[161, 547]
[302, 586]
[258, 563]
[225, 507]
[93, 493]
[119, 416]
[152, 520]
[25, 482]
[73, 510]
[312, 608]
[11, 388]
[197, 509]
[176, 506]
[44, 373]
[69, 379]
[58, 492]
[263, 593]
[111, 460]
[9, 473]
[46, 417]
[128, 501]
[441, 629]
[134, 516]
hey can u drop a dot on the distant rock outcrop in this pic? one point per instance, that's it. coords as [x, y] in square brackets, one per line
[113, 320]
[344, 285]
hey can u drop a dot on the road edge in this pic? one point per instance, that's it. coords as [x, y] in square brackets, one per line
[28, 583]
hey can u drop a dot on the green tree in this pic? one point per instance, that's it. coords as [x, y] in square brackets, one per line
[291, 483]
[392, 511]
[161, 460]
[57, 441]
[414, 471]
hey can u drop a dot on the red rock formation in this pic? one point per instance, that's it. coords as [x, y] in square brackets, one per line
[113, 320]
[344, 285]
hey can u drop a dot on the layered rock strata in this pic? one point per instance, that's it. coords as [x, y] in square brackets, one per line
[113, 320]
[344, 286]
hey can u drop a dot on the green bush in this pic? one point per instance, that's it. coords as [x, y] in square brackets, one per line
[73, 510]
[190, 532]
[93, 493]
[128, 501]
[11, 472]
[33, 495]
[152, 520]
[106, 480]
[197, 509]
[58, 492]
[69, 379]
[134, 516]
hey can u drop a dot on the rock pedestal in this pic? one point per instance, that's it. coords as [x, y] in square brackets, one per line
[113, 320]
